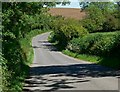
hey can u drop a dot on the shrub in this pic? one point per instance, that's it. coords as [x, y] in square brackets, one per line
[18, 20]
[71, 31]
[94, 19]
[65, 30]
[101, 16]
[104, 44]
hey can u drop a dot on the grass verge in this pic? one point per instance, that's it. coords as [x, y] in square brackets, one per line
[90, 58]
[26, 44]
[111, 62]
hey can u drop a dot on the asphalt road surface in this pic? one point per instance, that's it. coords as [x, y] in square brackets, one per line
[51, 71]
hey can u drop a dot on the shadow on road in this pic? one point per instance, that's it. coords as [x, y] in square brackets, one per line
[46, 45]
[53, 78]
[57, 77]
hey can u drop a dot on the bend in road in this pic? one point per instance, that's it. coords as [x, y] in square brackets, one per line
[51, 71]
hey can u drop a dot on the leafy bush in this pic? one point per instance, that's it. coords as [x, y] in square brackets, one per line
[19, 18]
[94, 20]
[104, 44]
[111, 23]
[65, 30]
[101, 16]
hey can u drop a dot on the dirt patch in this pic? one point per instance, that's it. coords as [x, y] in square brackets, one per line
[67, 12]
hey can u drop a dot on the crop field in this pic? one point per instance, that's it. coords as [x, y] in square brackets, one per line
[67, 12]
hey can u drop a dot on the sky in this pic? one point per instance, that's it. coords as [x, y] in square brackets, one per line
[73, 4]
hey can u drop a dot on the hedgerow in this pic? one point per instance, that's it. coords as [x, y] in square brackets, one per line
[18, 21]
[102, 17]
[103, 44]
[65, 30]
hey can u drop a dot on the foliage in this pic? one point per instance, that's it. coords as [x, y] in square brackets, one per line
[15, 66]
[21, 22]
[66, 29]
[86, 57]
[101, 16]
[112, 62]
[19, 18]
[84, 5]
[15, 17]
[103, 44]
[26, 44]
[95, 19]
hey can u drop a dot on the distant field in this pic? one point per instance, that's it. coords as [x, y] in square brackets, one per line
[67, 12]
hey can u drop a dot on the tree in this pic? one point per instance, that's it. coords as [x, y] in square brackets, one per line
[100, 17]
[18, 18]
[84, 5]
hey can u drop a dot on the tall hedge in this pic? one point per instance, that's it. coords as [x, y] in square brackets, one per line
[65, 30]
[103, 44]
[102, 17]
[18, 19]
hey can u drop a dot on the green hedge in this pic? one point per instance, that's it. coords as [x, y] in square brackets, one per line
[102, 17]
[103, 44]
[65, 30]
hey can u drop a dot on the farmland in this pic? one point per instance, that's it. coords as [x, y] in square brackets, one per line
[67, 12]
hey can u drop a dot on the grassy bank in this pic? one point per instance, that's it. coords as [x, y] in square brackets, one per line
[89, 58]
[105, 61]
[26, 44]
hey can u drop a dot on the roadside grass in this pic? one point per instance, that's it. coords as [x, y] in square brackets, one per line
[26, 44]
[89, 58]
[112, 62]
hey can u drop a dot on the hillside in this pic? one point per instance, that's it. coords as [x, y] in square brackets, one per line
[67, 12]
